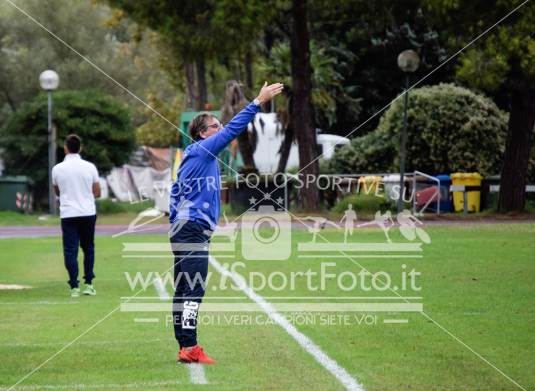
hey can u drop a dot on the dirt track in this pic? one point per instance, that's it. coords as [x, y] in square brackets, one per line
[113, 229]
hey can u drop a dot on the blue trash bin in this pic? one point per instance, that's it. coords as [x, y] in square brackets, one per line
[445, 198]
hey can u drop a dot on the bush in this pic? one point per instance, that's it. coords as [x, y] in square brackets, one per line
[363, 203]
[450, 129]
[108, 206]
[101, 121]
[157, 132]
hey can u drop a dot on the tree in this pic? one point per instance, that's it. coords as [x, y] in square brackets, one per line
[93, 29]
[365, 38]
[204, 30]
[502, 63]
[354, 46]
[450, 129]
[302, 112]
[182, 29]
[155, 132]
[199, 31]
[234, 102]
[329, 90]
[100, 120]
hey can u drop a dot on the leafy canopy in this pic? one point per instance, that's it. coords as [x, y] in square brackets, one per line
[100, 120]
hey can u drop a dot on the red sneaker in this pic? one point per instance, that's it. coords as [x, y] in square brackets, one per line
[194, 355]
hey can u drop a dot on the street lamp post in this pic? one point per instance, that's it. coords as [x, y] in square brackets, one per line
[408, 62]
[49, 81]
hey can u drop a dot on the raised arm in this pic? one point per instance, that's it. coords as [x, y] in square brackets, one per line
[216, 143]
[212, 145]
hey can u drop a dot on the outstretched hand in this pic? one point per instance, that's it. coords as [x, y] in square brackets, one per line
[269, 92]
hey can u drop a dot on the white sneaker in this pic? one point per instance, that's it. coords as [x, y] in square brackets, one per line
[89, 290]
[75, 292]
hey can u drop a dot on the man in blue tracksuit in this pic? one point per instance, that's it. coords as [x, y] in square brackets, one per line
[194, 213]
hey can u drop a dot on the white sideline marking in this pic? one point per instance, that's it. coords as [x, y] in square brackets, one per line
[306, 343]
[394, 321]
[196, 371]
[160, 288]
[42, 302]
[146, 320]
[82, 386]
[196, 374]
[13, 286]
[358, 256]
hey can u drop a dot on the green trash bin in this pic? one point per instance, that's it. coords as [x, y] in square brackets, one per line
[15, 193]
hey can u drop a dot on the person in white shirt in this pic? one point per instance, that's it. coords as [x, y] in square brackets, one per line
[76, 183]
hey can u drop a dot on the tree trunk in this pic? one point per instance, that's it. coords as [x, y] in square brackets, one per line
[234, 102]
[201, 83]
[516, 158]
[247, 153]
[190, 86]
[302, 116]
[286, 146]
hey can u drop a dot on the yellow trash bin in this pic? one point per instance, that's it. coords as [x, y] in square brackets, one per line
[473, 198]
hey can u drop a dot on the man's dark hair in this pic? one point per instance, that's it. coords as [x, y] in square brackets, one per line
[198, 124]
[73, 142]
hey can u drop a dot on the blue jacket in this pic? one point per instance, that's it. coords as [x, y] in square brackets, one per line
[195, 195]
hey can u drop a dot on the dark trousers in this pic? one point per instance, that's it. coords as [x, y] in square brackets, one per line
[190, 250]
[79, 231]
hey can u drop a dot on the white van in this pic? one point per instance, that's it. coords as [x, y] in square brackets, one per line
[270, 138]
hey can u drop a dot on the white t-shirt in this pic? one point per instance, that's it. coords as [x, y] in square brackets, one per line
[75, 177]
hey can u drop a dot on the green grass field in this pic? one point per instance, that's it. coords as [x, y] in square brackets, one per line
[477, 283]
[109, 212]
